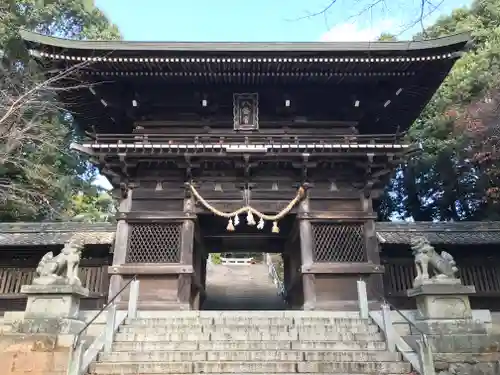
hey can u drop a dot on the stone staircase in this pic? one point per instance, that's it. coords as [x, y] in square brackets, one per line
[241, 287]
[249, 342]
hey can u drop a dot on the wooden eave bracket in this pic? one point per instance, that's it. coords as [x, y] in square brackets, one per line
[82, 149]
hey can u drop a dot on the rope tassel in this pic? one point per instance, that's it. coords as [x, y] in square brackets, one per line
[230, 226]
[250, 219]
[261, 224]
[275, 229]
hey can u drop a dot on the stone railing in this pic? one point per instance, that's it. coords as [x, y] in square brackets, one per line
[81, 358]
[421, 359]
[273, 273]
[236, 260]
[276, 280]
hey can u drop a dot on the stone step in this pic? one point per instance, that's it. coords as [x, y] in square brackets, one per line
[243, 328]
[253, 355]
[246, 336]
[267, 367]
[251, 314]
[344, 345]
[244, 319]
[264, 322]
[365, 367]
[215, 373]
[138, 346]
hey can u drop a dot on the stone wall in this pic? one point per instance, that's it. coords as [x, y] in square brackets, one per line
[39, 354]
[485, 317]
[466, 355]
[94, 330]
[467, 364]
[34, 354]
[460, 354]
[495, 322]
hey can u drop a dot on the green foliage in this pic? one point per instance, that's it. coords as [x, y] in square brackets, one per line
[39, 175]
[387, 37]
[446, 182]
[216, 258]
[92, 207]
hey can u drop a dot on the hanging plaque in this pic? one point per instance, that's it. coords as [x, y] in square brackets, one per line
[246, 111]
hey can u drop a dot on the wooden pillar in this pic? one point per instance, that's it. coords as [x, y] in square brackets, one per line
[287, 275]
[375, 281]
[306, 253]
[186, 255]
[120, 244]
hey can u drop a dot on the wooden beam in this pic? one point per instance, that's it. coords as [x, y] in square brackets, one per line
[136, 216]
[342, 268]
[339, 216]
[150, 269]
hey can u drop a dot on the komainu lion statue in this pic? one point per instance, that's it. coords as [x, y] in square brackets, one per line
[443, 264]
[61, 269]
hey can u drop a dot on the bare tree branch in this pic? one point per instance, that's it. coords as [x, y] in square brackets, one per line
[319, 13]
[424, 9]
[29, 112]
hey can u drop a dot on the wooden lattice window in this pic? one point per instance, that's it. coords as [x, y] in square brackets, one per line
[338, 242]
[154, 243]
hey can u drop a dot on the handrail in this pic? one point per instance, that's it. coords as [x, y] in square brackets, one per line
[422, 359]
[246, 138]
[78, 335]
[80, 360]
[412, 324]
[276, 279]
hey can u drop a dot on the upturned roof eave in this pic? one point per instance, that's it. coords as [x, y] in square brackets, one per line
[455, 42]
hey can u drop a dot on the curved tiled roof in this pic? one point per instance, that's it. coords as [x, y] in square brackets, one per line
[117, 72]
[39, 234]
[452, 233]
[457, 41]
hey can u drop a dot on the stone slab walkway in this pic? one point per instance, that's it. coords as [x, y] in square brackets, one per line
[241, 287]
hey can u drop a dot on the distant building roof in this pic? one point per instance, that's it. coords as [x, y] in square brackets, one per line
[39, 234]
[461, 233]
[449, 233]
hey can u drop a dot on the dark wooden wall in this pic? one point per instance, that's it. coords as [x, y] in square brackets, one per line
[18, 265]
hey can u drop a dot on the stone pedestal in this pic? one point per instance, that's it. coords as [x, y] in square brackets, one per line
[444, 308]
[52, 309]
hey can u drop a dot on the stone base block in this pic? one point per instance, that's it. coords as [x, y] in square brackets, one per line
[48, 326]
[442, 301]
[53, 301]
[451, 326]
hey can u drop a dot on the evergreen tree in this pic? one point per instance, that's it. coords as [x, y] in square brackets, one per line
[456, 177]
[39, 174]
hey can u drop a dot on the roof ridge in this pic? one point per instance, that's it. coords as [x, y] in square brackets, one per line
[415, 45]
